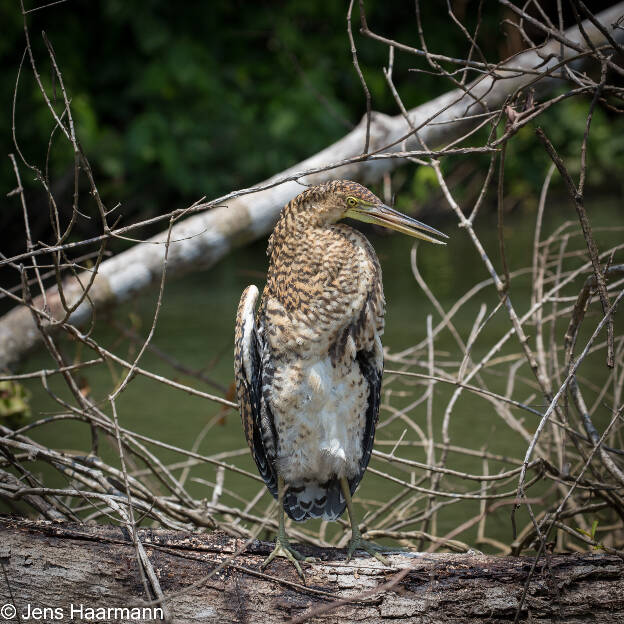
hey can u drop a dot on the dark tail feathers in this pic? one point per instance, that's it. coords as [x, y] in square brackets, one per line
[315, 500]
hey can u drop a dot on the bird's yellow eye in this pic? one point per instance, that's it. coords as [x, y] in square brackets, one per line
[351, 201]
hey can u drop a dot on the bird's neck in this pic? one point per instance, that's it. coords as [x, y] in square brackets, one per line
[297, 221]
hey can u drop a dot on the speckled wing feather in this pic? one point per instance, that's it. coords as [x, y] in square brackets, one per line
[373, 374]
[255, 414]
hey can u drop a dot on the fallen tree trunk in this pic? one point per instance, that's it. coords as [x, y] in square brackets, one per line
[73, 568]
[201, 240]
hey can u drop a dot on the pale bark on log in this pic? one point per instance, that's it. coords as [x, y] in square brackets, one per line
[201, 240]
[54, 565]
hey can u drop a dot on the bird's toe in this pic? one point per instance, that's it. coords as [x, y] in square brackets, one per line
[282, 549]
[357, 542]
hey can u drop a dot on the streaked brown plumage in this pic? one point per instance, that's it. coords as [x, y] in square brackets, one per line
[308, 365]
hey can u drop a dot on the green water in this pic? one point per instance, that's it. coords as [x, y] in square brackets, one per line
[195, 326]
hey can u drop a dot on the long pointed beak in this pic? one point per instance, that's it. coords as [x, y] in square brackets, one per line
[383, 215]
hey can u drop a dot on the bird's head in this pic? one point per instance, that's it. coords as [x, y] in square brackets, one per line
[357, 202]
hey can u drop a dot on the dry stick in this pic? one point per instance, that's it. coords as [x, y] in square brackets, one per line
[484, 189]
[488, 68]
[473, 39]
[144, 564]
[525, 539]
[75, 264]
[378, 155]
[554, 33]
[501, 217]
[103, 422]
[172, 361]
[437, 169]
[50, 507]
[577, 197]
[92, 467]
[571, 335]
[85, 405]
[441, 71]
[477, 327]
[150, 335]
[29, 243]
[562, 505]
[388, 75]
[466, 386]
[93, 477]
[109, 355]
[586, 37]
[454, 545]
[93, 413]
[517, 324]
[607, 35]
[538, 269]
[464, 526]
[450, 495]
[446, 317]
[504, 297]
[389, 506]
[588, 540]
[97, 418]
[579, 402]
[602, 394]
[70, 135]
[556, 373]
[555, 399]
[361, 76]
[446, 321]
[78, 158]
[422, 283]
[578, 311]
[481, 537]
[196, 444]
[456, 473]
[430, 447]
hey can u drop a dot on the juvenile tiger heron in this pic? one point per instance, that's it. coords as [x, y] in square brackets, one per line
[308, 363]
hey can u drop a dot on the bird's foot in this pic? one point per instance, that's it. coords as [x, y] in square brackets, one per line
[357, 542]
[283, 549]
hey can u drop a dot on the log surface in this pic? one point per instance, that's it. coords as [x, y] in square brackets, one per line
[56, 565]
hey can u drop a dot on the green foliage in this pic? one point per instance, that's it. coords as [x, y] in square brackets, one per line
[174, 102]
[14, 404]
[592, 535]
[423, 183]
[565, 127]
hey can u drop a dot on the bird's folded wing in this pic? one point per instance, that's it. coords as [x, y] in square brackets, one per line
[255, 414]
[369, 365]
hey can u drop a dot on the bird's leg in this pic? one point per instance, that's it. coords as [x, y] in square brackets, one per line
[282, 547]
[357, 541]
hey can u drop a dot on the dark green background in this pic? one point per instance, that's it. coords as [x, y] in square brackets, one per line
[178, 101]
